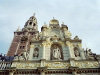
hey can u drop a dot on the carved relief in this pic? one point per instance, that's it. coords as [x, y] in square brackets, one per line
[28, 65]
[56, 52]
[87, 64]
[57, 65]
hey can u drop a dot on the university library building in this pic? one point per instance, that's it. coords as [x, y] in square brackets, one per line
[49, 52]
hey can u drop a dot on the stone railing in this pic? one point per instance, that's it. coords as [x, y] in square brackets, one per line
[5, 65]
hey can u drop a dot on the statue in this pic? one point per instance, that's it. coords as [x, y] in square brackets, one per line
[22, 56]
[56, 53]
[36, 53]
[76, 52]
[89, 54]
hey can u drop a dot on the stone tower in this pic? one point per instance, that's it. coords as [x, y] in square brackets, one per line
[21, 40]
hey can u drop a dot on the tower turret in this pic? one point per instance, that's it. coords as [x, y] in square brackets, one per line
[31, 24]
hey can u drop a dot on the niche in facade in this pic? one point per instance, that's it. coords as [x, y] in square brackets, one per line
[56, 52]
[36, 53]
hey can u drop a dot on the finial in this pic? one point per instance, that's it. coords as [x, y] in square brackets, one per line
[33, 14]
[18, 28]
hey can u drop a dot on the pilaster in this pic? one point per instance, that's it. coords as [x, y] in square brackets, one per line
[31, 52]
[44, 44]
[70, 49]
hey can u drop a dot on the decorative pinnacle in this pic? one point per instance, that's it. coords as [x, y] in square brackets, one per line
[18, 28]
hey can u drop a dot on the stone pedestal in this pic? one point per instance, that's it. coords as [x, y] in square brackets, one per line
[31, 52]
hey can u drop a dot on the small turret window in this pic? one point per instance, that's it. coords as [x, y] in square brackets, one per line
[30, 23]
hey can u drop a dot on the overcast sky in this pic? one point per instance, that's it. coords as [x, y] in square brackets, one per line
[81, 16]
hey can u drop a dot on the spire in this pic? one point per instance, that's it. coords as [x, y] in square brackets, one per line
[18, 29]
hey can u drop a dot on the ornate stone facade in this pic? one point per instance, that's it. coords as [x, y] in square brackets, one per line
[50, 52]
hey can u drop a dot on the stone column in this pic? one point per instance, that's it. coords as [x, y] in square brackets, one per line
[31, 52]
[70, 49]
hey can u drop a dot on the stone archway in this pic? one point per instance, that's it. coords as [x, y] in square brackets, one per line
[56, 52]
